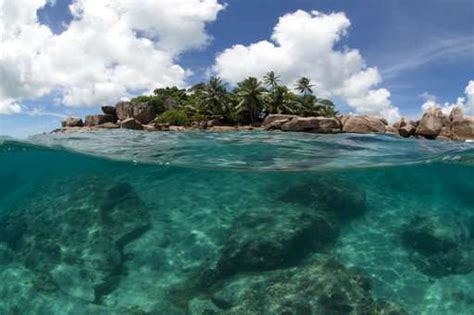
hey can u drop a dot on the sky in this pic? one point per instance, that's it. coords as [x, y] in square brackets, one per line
[385, 58]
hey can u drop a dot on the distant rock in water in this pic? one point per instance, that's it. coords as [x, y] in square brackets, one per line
[320, 287]
[72, 122]
[362, 124]
[96, 120]
[131, 123]
[75, 240]
[440, 245]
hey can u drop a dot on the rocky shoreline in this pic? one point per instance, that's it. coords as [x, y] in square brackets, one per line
[434, 124]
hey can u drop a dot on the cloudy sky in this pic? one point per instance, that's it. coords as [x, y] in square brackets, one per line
[387, 58]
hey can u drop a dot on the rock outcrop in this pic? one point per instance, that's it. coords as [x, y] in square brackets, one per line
[110, 110]
[143, 112]
[72, 122]
[362, 124]
[432, 123]
[463, 130]
[131, 123]
[312, 124]
[96, 120]
[124, 110]
[273, 117]
[440, 245]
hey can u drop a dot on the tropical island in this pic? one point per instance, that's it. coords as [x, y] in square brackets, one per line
[261, 104]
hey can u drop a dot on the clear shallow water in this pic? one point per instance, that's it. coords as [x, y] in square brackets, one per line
[235, 223]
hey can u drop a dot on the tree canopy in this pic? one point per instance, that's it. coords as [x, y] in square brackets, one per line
[248, 102]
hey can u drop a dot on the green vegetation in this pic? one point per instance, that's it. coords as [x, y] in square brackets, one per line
[174, 117]
[249, 102]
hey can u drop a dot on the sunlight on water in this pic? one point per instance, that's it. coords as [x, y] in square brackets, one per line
[235, 223]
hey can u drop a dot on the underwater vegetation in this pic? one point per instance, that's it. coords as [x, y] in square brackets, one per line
[235, 224]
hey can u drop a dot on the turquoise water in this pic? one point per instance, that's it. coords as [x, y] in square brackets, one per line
[123, 222]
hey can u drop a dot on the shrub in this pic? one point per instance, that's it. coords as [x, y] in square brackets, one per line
[174, 117]
[199, 117]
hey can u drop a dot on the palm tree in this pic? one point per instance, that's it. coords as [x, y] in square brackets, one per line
[215, 96]
[281, 101]
[271, 80]
[303, 85]
[250, 96]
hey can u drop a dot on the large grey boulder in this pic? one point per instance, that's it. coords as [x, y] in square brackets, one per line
[96, 120]
[124, 110]
[432, 123]
[144, 112]
[362, 124]
[406, 128]
[273, 117]
[72, 122]
[463, 129]
[131, 123]
[456, 114]
[110, 110]
[313, 124]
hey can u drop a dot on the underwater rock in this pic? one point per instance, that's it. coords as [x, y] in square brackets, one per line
[6, 254]
[440, 245]
[326, 194]
[268, 240]
[80, 232]
[319, 287]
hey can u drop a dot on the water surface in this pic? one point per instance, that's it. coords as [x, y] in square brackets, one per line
[124, 222]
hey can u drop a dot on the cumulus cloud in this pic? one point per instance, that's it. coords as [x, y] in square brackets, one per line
[304, 43]
[466, 103]
[110, 49]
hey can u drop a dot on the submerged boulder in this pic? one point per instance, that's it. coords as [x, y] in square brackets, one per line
[313, 124]
[332, 194]
[319, 287]
[362, 124]
[266, 240]
[76, 238]
[440, 245]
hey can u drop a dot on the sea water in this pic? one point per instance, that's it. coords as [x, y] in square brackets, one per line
[124, 222]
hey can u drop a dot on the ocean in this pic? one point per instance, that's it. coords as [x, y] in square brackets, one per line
[126, 222]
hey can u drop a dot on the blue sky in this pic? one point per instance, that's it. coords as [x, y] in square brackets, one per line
[418, 48]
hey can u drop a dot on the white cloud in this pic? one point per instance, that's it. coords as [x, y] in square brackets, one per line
[8, 106]
[466, 103]
[109, 50]
[303, 44]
